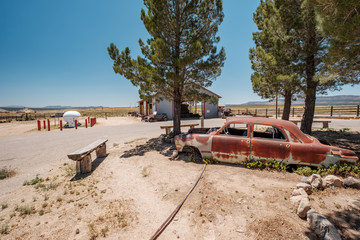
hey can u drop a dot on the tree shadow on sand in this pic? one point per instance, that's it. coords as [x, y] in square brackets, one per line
[346, 221]
[343, 139]
[153, 144]
[95, 164]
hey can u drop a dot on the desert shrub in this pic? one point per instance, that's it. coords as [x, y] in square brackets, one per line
[34, 181]
[25, 210]
[4, 205]
[4, 229]
[340, 169]
[209, 161]
[262, 164]
[6, 173]
[305, 171]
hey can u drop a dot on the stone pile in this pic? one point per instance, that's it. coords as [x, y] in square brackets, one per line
[300, 199]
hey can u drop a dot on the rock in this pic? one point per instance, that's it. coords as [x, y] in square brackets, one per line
[305, 180]
[331, 181]
[303, 207]
[77, 231]
[299, 191]
[174, 155]
[321, 226]
[305, 186]
[295, 200]
[352, 182]
[315, 181]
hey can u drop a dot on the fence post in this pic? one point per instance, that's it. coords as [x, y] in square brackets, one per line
[255, 111]
[357, 110]
[331, 111]
[48, 122]
[39, 125]
[75, 124]
[293, 112]
[85, 123]
[60, 125]
[266, 112]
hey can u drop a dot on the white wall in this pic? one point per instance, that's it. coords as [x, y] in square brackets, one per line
[164, 106]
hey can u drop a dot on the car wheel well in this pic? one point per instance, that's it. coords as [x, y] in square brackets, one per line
[194, 153]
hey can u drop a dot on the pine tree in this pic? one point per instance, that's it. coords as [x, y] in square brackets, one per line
[340, 19]
[300, 59]
[180, 56]
[274, 57]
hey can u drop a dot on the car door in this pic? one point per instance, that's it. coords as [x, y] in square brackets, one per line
[232, 143]
[269, 143]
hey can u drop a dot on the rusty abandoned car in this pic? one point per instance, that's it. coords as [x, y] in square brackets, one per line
[244, 138]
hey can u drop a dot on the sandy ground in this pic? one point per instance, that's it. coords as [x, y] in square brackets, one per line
[132, 192]
[135, 188]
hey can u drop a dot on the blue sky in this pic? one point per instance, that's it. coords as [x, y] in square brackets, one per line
[54, 52]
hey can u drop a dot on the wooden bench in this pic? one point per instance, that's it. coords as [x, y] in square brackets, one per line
[83, 155]
[168, 128]
[324, 122]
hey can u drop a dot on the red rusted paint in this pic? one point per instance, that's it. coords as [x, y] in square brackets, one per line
[269, 149]
[311, 153]
[202, 138]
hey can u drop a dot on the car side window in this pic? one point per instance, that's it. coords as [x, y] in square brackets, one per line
[236, 129]
[269, 132]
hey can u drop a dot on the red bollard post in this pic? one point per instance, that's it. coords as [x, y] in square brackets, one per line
[95, 121]
[60, 125]
[75, 124]
[86, 123]
[39, 125]
[91, 122]
[48, 124]
[44, 124]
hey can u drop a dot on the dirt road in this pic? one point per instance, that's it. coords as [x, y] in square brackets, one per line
[37, 153]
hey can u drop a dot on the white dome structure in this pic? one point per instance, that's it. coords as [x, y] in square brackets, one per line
[70, 117]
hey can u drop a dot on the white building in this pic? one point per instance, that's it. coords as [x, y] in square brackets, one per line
[208, 109]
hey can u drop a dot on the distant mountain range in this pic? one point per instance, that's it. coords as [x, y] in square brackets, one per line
[320, 100]
[16, 107]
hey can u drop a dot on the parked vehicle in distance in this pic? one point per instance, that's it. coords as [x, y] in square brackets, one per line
[244, 138]
[156, 117]
[227, 112]
[57, 114]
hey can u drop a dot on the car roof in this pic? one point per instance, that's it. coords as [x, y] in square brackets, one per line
[292, 127]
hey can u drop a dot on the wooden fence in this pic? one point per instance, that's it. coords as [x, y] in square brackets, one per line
[297, 111]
